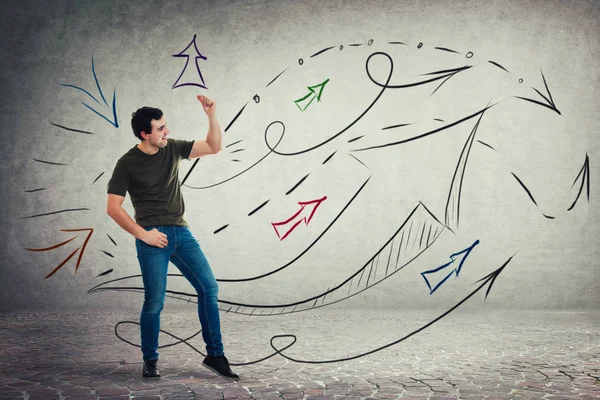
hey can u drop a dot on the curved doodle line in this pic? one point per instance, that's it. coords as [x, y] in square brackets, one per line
[247, 169]
[329, 291]
[185, 341]
[454, 194]
[305, 250]
[427, 133]
[98, 287]
[352, 123]
[97, 83]
[487, 280]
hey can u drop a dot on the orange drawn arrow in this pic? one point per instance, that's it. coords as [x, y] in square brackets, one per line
[73, 253]
[291, 223]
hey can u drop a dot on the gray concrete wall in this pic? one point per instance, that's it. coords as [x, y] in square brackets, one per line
[534, 62]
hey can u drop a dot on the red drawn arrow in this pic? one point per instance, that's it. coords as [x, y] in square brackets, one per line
[291, 223]
[72, 254]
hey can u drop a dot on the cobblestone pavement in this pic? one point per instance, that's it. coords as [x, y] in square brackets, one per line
[468, 355]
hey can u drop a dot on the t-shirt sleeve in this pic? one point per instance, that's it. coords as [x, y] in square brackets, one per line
[119, 182]
[183, 148]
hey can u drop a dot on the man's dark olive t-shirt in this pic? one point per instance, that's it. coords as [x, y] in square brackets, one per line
[153, 183]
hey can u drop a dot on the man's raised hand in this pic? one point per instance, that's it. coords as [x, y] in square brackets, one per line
[208, 104]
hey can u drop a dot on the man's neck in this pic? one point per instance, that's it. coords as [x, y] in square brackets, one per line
[147, 148]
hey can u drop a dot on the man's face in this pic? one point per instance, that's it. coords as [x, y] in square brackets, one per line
[158, 136]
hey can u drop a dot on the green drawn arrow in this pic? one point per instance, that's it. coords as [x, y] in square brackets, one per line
[315, 92]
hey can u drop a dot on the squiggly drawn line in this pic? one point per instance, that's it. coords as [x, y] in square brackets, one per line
[487, 280]
[349, 281]
[452, 216]
[352, 123]
[427, 133]
[98, 287]
[198, 159]
[34, 190]
[247, 169]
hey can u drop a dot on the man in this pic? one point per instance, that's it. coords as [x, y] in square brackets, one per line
[149, 172]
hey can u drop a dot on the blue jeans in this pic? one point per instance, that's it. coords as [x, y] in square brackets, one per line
[184, 251]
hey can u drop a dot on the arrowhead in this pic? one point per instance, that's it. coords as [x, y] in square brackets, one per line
[490, 278]
[320, 88]
[584, 177]
[312, 207]
[82, 248]
[185, 53]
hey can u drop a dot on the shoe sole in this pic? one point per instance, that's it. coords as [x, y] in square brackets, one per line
[218, 373]
[150, 377]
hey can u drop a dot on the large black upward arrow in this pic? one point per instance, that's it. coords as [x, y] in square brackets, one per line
[486, 280]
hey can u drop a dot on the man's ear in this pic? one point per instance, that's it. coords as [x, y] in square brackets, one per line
[142, 133]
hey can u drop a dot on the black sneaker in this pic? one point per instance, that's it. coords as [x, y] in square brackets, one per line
[149, 370]
[220, 365]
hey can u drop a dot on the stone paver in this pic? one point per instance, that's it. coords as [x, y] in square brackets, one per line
[481, 355]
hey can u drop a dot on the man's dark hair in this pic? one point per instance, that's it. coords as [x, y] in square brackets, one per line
[141, 120]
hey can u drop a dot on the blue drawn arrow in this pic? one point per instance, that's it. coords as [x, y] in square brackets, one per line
[456, 270]
[198, 56]
[115, 121]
